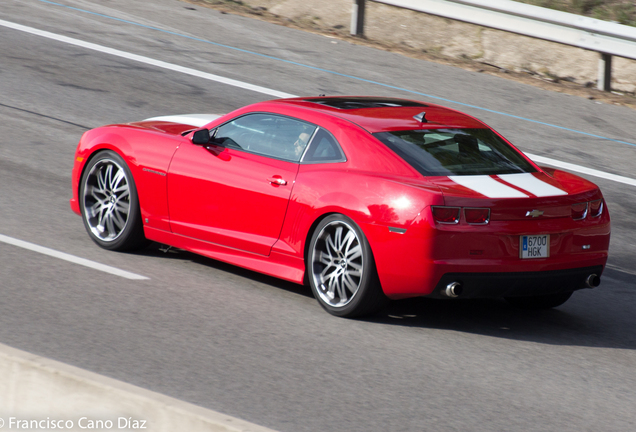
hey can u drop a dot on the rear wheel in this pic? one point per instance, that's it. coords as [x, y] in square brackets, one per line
[539, 302]
[341, 269]
[109, 203]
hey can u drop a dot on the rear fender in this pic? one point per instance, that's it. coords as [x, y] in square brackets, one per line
[384, 208]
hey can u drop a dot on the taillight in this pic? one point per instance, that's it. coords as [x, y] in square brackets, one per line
[596, 208]
[479, 216]
[446, 215]
[579, 211]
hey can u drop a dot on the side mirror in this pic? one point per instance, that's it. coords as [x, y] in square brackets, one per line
[201, 137]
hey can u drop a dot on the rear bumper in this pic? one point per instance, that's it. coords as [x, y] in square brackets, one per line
[417, 262]
[517, 284]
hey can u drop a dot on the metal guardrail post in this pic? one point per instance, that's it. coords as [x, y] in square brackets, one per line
[604, 72]
[357, 18]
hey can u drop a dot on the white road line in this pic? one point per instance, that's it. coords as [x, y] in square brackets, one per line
[267, 91]
[71, 258]
[223, 80]
[581, 169]
[146, 60]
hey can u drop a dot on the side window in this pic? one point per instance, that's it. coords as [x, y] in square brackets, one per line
[324, 148]
[267, 134]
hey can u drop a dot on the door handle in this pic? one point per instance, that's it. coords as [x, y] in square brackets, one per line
[277, 180]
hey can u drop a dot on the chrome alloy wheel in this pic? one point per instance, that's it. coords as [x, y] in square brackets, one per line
[338, 264]
[106, 200]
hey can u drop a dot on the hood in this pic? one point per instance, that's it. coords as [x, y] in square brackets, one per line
[176, 124]
[196, 120]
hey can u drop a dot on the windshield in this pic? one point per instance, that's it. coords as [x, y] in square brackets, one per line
[442, 152]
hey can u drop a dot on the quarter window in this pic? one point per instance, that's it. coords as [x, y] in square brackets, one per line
[323, 148]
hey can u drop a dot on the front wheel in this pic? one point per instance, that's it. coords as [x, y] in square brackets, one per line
[539, 302]
[341, 269]
[109, 203]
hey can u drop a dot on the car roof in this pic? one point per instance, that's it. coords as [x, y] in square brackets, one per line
[381, 114]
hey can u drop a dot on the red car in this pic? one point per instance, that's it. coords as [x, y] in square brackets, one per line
[363, 198]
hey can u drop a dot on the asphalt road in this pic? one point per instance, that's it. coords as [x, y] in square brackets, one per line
[257, 348]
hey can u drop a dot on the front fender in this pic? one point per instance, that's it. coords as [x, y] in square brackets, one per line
[146, 152]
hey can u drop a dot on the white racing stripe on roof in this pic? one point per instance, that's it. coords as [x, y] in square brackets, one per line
[487, 186]
[530, 183]
[197, 120]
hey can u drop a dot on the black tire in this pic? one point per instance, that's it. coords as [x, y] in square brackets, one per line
[341, 269]
[547, 301]
[109, 203]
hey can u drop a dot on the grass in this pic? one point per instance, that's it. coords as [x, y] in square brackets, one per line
[620, 11]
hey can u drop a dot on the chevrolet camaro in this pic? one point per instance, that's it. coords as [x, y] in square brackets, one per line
[362, 198]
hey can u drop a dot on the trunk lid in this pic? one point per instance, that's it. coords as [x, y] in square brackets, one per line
[518, 196]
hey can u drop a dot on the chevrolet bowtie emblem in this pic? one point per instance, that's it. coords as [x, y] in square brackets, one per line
[534, 213]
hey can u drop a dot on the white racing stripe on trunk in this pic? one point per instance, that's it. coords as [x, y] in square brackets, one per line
[197, 120]
[487, 186]
[530, 183]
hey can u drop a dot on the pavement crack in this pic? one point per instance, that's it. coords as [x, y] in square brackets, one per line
[45, 116]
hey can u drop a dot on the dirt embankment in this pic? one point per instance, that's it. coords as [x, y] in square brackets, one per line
[543, 64]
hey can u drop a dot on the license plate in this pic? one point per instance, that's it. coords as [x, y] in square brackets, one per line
[534, 246]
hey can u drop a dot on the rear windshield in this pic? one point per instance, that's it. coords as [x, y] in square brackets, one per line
[441, 152]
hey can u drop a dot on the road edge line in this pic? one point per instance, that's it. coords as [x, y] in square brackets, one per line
[71, 258]
[581, 169]
[145, 60]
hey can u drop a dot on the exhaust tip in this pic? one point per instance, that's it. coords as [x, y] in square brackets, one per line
[453, 290]
[592, 281]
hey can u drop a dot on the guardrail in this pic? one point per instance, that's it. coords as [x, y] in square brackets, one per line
[607, 38]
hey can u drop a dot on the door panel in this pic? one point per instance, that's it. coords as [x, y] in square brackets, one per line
[229, 197]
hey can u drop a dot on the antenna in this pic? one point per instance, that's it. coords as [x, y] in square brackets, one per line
[421, 117]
